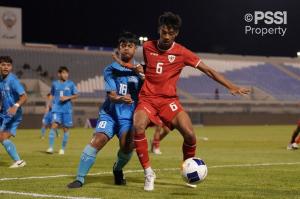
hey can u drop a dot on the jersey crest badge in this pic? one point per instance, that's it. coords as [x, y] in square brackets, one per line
[171, 58]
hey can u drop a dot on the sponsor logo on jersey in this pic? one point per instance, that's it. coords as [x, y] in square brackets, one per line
[154, 54]
[133, 79]
[171, 58]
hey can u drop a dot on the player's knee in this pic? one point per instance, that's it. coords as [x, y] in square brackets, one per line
[4, 136]
[127, 149]
[127, 146]
[99, 140]
[190, 138]
[139, 127]
[54, 125]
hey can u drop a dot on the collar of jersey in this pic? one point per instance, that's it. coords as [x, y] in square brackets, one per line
[7, 77]
[162, 49]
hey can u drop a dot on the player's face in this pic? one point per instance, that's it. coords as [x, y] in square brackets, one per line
[5, 68]
[167, 36]
[64, 75]
[127, 50]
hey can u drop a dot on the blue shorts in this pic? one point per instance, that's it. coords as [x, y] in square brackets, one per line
[47, 119]
[10, 124]
[109, 126]
[64, 119]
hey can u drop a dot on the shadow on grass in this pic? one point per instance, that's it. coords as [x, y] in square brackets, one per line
[4, 164]
[184, 194]
[44, 152]
[109, 180]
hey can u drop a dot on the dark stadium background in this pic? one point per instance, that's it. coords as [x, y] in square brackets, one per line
[208, 26]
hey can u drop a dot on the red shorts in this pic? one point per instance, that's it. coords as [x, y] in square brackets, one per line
[160, 111]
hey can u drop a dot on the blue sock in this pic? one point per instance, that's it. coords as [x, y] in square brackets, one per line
[122, 160]
[51, 138]
[43, 131]
[65, 140]
[87, 160]
[11, 149]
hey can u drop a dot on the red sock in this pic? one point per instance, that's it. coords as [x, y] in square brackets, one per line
[141, 147]
[156, 143]
[189, 150]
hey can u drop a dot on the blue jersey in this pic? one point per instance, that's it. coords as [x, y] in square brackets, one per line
[123, 81]
[10, 89]
[59, 89]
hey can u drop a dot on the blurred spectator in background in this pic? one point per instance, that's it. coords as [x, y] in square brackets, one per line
[217, 96]
[26, 66]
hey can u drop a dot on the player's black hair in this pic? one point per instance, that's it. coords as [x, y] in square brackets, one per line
[63, 68]
[170, 20]
[129, 37]
[6, 59]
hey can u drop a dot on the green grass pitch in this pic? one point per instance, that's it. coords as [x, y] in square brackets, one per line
[233, 145]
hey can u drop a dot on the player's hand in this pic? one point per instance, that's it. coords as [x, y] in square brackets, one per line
[64, 98]
[138, 69]
[12, 111]
[239, 91]
[122, 63]
[126, 99]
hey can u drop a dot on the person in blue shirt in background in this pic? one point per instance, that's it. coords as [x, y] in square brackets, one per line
[12, 97]
[116, 114]
[63, 91]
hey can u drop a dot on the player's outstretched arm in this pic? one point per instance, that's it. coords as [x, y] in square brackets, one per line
[233, 89]
[12, 110]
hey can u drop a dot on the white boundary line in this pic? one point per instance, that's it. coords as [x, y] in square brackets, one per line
[164, 169]
[37, 195]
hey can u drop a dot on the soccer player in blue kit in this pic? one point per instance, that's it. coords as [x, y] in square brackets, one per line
[115, 116]
[12, 97]
[63, 91]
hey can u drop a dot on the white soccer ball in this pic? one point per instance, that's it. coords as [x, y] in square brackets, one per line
[194, 170]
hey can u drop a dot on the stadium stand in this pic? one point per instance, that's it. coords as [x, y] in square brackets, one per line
[274, 82]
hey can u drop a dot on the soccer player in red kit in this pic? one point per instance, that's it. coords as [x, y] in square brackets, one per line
[295, 139]
[158, 101]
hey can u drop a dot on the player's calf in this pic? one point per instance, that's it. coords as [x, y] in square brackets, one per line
[64, 143]
[189, 145]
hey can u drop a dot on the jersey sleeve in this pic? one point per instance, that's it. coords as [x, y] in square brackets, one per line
[74, 89]
[109, 82]
[17, 86]
[190, 58]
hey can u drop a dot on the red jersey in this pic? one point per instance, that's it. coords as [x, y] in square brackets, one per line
[163, 68]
